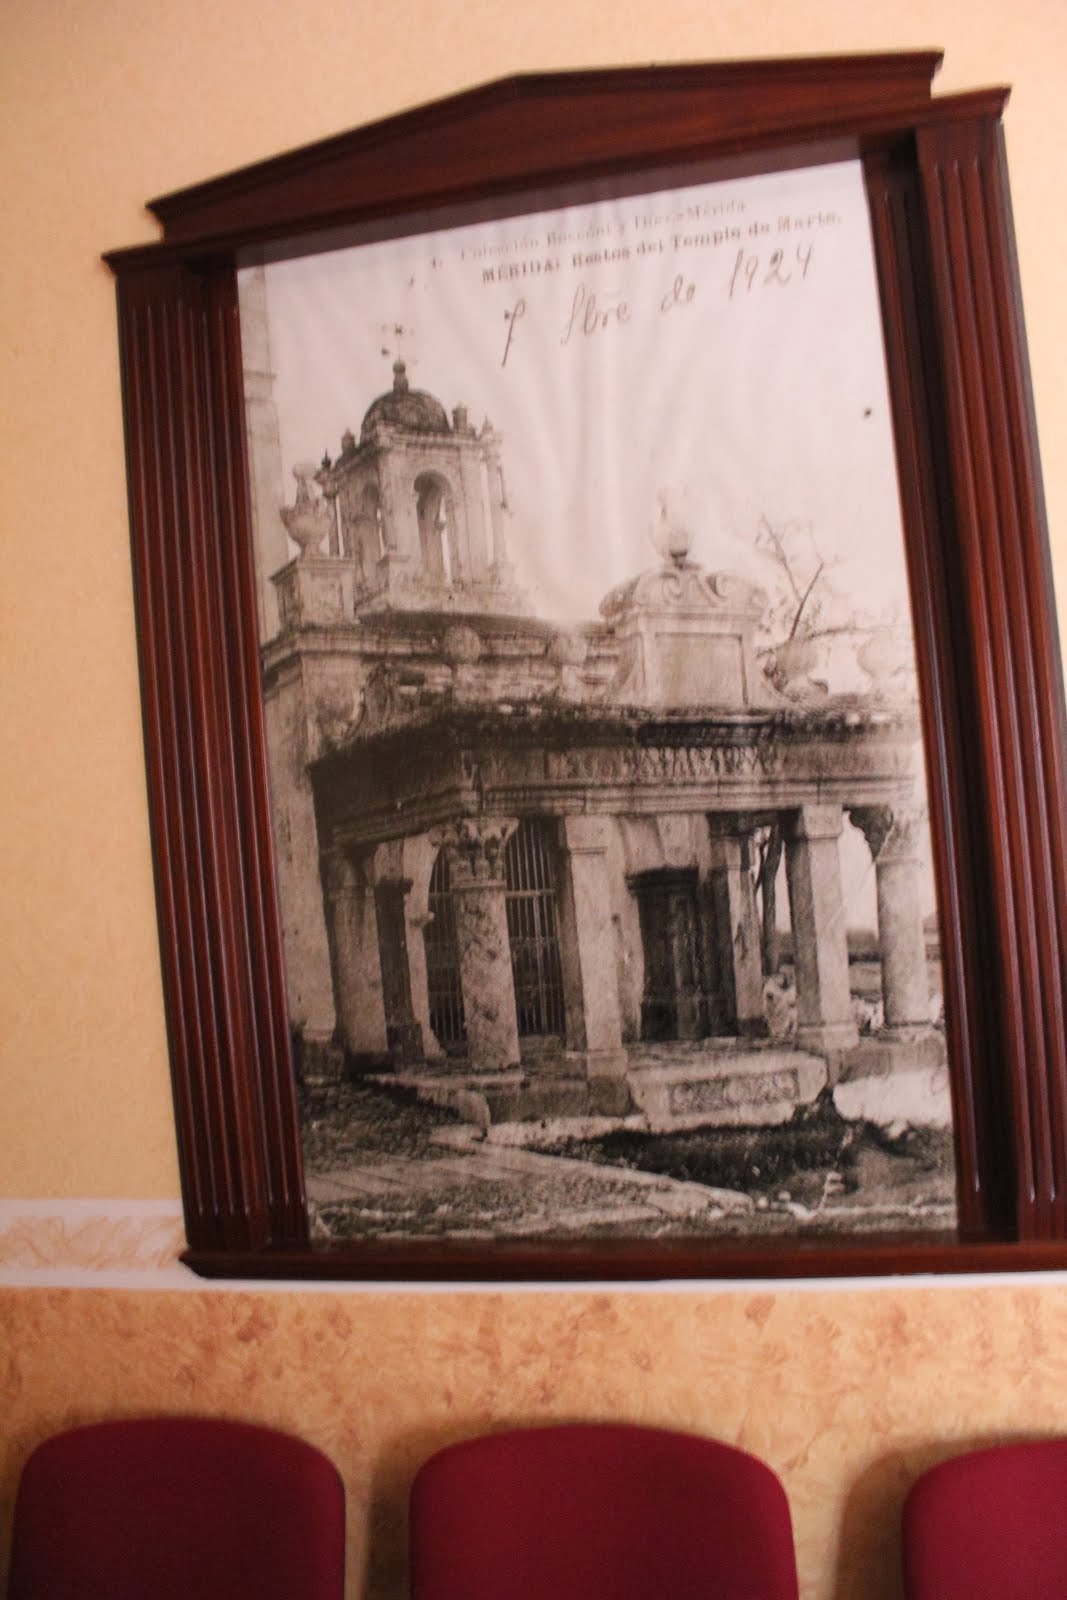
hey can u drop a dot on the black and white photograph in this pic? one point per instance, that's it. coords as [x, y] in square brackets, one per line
[600, 816]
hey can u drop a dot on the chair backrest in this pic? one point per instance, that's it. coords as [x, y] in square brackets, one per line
[989, 1524]
[179, 1509]
[611, 1510]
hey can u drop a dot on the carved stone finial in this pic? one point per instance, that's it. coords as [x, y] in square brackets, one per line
[886, 656]
[673, 537]
[308, 521]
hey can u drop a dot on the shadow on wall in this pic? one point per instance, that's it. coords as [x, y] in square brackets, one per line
[869, 1562]
[386, 1574]
[869, 1559]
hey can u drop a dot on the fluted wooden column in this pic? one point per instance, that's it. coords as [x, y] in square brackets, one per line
[1006, 596]
[223, 980]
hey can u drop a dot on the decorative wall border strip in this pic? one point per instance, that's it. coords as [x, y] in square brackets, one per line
[135, 1245]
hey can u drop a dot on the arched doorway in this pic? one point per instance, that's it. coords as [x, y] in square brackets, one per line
[674, 1004]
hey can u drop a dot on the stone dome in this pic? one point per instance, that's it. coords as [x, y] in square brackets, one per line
[403, 407]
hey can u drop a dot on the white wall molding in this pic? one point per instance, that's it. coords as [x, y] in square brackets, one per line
[136, 1244]
[91, 1242]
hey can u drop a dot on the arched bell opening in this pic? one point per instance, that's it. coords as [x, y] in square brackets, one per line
[437, 528]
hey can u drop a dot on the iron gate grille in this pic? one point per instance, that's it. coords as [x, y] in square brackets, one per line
[532, 932]
[442, 963]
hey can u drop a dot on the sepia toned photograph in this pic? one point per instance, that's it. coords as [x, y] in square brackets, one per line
[599, 807]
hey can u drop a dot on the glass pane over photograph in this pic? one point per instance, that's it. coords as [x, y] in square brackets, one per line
[599, 807]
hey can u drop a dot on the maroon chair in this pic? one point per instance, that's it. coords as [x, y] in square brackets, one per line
[177, 1508]
[611, 1511]
[988, 1525]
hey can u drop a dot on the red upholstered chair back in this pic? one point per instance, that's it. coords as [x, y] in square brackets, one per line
[990, 1525]
[610, 1511]
[177, 1509]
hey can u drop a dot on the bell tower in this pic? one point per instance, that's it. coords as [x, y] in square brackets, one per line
[420, 508]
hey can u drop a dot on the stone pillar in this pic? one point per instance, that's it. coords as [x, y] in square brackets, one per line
[391, 885]
[588, 955]
[418, 858]
[820, 946]
[476, 862]
[894, 838]
[738, 975]
[401, 1028]
[309, 981]
[357, 972]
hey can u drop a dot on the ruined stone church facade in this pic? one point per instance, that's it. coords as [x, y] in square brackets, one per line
[515, 858]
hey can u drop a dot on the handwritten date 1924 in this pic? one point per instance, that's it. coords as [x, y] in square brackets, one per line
[777, 269]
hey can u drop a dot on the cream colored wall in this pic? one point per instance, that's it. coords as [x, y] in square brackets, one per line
[847, 1391]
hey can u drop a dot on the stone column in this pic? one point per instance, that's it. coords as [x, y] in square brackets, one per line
[401, 1028]
[419, 855]
[588, 956]
[391, 885]
[309, 981]
[476, 863]
[738, 977]
[894, 839]
[817, 912]
[357, 972]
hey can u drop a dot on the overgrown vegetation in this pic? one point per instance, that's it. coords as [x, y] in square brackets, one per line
[358, 1120]
[753, 1160]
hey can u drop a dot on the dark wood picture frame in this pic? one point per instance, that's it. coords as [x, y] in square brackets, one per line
[993, 699]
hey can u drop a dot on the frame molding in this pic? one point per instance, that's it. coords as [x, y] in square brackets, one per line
[995, 722]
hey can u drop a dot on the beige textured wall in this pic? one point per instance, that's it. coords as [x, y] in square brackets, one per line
[846, 1391]
[848, 1395]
